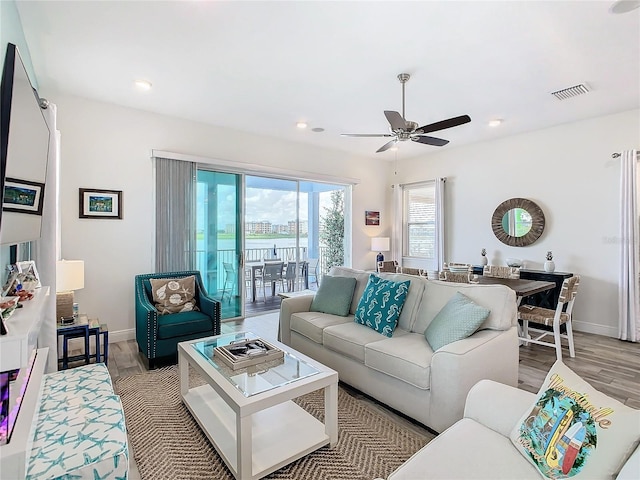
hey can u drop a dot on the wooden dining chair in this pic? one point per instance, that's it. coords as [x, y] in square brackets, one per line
[500, 271]
[388, 266]
[458, 277]
[529, 314]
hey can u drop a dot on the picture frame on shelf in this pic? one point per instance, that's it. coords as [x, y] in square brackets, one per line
[100, 204]
[371, 218]
[23, 196]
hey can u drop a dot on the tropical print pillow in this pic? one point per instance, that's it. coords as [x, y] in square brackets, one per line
[573, 430]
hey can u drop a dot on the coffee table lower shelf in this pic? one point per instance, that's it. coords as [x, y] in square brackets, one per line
[279, 434]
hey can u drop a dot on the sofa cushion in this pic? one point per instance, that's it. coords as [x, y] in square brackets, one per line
[174, 295]
[311, 324]
[405, 357]
[381, 304]
[334, 295]
[414, 297]
[361, 282]
[181, 324]
[501, 300]
[572, 429]
[458, 319]
[349, 339]
[466, 450]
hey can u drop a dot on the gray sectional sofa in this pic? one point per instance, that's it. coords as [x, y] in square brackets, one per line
[403, 371]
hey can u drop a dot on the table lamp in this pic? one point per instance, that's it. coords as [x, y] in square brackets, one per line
[380, 244]
[69, 277]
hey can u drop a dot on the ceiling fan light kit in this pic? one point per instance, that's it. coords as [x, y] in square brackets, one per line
[403, 130]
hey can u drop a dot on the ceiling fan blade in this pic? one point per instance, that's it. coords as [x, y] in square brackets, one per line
[387, 146]
[395, 120]
[441, 125]
[366, 135]
[436, 142]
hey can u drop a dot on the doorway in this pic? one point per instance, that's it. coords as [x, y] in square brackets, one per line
[243, 220]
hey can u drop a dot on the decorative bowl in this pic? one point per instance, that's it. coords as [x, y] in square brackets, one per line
[514, 262]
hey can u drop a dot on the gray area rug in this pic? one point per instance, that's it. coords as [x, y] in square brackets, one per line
[168, 443]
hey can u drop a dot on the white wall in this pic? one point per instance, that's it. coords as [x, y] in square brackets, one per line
[568, 171]
[106, 146]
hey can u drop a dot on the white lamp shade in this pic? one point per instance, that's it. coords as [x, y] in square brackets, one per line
[69, 275]
[380, 244]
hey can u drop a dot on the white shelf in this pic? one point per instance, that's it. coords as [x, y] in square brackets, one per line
[280, 434]
[23, 329]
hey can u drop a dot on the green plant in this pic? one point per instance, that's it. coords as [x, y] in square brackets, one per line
[549, 255]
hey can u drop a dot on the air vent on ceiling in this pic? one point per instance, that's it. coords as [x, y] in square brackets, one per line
[571, 91]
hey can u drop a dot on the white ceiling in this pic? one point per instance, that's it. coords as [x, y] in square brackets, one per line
[263, 66]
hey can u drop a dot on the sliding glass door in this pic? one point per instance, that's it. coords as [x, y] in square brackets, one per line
[219, 238]
[243, 220]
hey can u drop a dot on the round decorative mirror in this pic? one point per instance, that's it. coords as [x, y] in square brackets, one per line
[518, 222]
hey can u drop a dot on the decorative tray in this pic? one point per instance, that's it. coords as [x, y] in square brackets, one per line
[246, 353]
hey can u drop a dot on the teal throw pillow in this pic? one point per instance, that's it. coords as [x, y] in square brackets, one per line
[381, 304]
[458, 319]
[334, 295]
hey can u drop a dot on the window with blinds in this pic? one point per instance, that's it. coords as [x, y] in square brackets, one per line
[419, 221]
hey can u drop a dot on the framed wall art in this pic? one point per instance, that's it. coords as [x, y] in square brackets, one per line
[23, 196]
[371, 218]
[96, 203]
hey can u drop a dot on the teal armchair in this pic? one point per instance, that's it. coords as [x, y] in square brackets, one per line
[158, 335]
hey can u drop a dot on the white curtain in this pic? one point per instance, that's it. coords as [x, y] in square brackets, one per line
[398, 209]
[628, 302]
[439, 247]
[46, 248]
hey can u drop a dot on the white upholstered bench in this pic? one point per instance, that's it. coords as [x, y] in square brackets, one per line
[80, 429]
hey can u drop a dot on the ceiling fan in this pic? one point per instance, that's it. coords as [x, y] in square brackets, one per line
[403, 130]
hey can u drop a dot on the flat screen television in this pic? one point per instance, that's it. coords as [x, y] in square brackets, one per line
[24, 152]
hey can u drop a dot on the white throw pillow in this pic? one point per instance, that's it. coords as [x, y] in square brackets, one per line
[573, 430]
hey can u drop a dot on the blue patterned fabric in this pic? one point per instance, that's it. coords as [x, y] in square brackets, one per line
[381, 304]
[459, 318]
[80, 430]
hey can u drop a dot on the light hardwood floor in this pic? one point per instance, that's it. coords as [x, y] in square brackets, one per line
[610, 365]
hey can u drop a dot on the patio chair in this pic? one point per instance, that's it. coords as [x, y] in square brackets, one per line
[230, 280]
[272, 274]
[293, 276]
[312, 270]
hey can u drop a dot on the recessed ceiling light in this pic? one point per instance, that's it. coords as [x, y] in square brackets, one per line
[495, 122]
[143, 84]
[301, 125]
[317, 129]
[624, 6]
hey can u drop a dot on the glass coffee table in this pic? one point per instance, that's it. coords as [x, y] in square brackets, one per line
[248, 414]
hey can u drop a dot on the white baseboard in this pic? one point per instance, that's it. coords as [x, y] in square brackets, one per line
[122, 335]
[603, 330]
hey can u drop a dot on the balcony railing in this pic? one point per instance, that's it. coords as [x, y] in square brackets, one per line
[213, 271]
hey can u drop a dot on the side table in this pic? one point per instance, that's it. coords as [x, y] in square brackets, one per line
[84, 328]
